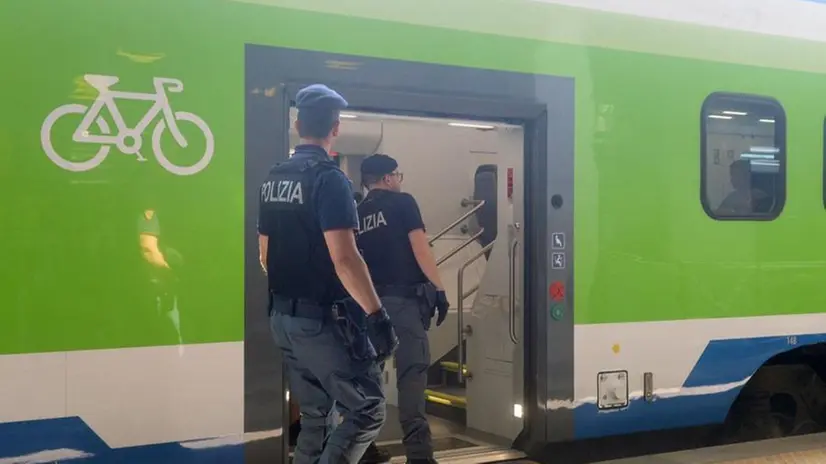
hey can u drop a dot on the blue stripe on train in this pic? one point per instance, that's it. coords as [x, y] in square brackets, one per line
[722, 363]
[70, 433]
[71, 440]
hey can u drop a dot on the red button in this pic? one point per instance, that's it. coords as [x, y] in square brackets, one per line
[557, 291]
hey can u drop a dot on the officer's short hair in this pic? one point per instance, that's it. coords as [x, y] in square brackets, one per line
[375, 167]
[318, 110]
[316, 126]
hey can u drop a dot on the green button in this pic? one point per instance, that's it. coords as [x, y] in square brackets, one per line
[557, 311]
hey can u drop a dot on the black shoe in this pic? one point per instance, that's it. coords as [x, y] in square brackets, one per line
[422, 461]
[375, 455]
[295, 429]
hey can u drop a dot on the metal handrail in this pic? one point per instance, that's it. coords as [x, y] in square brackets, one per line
[458, 248]
[465, 202]
[461, 296]
[470, 292]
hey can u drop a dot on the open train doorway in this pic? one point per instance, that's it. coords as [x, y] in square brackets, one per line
[467, 178]
[492, 152]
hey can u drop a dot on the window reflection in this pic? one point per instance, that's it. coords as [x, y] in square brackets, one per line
[163, 263]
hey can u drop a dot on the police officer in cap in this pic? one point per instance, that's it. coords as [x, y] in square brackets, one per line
[332, 344]
[393, 242]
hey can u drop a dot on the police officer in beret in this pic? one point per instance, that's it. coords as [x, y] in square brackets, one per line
[395, 247]
[324, 312]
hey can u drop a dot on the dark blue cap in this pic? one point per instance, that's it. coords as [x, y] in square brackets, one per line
[319, 97]
[378, 165]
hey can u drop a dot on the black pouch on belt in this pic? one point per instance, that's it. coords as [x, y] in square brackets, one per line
[351, 329]
[427, 295]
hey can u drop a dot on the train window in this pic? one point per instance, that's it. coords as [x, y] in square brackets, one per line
[743, 157]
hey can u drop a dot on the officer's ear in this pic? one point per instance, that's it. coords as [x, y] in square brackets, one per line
[336, 125]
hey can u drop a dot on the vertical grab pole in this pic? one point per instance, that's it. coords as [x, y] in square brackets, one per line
[461, 322]
[512, 292]
[460, 287]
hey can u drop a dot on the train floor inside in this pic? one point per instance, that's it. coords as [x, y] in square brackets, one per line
[446, 434]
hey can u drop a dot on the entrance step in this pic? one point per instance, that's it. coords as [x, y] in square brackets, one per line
[441, 445]
[448, 396]
[452, 366]
[476, 455]
[447, 402]
[463, 450]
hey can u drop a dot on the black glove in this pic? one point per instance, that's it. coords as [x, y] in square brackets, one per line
[442, 306]
[351, 329]
[381, 334]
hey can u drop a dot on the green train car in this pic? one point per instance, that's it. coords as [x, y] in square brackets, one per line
[626, 198]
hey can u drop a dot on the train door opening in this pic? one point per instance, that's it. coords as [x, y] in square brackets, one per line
[490, 154]
[467, 177]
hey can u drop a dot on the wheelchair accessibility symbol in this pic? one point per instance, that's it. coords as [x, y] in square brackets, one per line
[128, 140]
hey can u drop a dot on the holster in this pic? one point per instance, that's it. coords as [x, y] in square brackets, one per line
[351, 328]
[427, 295]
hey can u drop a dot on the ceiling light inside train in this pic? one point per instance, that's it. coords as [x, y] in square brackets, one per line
[764, 149]
[471, 126]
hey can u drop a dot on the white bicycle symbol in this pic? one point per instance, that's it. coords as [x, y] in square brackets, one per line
[127, 140]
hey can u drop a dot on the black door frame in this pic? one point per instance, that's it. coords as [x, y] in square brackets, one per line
[544, 105]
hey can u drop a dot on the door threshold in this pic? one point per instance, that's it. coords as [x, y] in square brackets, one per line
[438, 443]
[472, 455]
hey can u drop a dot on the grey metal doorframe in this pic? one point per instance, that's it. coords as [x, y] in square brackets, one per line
[543, 104]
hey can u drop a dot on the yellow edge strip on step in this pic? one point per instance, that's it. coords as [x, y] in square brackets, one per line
[452, 366]
[445, 399]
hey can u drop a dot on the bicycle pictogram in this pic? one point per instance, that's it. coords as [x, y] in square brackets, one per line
[128, 140]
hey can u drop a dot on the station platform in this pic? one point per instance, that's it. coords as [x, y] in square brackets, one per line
[807, 449]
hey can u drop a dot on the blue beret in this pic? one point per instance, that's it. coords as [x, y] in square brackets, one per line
[319, 97]
[378, 165]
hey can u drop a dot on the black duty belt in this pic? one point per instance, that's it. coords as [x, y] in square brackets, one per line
[398, 291]
[302, 308]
